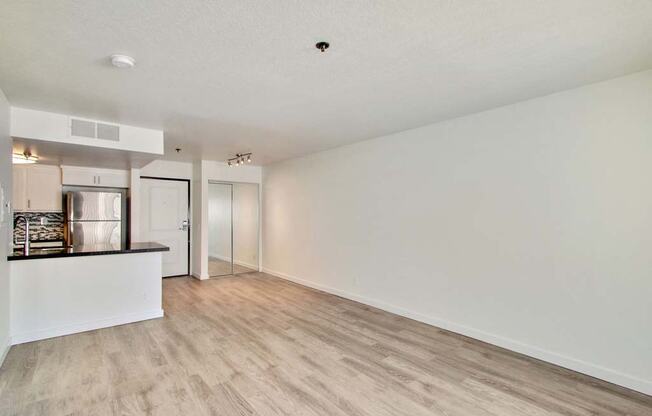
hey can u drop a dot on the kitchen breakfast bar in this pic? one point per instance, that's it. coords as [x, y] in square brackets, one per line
[61, 291]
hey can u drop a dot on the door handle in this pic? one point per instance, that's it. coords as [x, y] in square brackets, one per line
[184, 225]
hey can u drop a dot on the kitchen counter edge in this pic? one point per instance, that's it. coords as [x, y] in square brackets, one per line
[93, 250]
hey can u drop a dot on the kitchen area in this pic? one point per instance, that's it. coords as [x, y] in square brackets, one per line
[74, 267]
[57, 208]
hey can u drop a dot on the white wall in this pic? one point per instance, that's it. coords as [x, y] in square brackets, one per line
[528, 226]
[198, 196]
[5, 224]
[168, 169]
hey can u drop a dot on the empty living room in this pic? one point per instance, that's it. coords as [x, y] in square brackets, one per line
[334, 208]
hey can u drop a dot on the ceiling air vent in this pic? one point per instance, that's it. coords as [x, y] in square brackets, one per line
[82, 128]
[94, 130]
[108, 132]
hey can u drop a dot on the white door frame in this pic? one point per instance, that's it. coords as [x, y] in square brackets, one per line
[188, 216]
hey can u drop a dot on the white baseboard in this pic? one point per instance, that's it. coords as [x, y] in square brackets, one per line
[198, 276]
[4, 349]
[238, 262]
[84, 326]
[597, 371]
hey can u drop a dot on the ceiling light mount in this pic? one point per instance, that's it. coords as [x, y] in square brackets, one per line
[239, 159]
[24, 158]
[322, 46]
[122, 61]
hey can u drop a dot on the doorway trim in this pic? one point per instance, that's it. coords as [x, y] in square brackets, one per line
[189, 217]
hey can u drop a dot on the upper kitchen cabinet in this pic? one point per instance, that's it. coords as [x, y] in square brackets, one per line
[80, 176]
[37, 188]
[19, 199]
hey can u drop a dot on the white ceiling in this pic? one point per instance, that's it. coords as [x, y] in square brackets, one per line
[228, 76]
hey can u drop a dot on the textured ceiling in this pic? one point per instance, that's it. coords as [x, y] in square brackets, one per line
[221, 77]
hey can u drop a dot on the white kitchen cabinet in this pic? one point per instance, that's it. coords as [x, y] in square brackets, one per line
[77, 176]
[19, 199]
[37, 188]
[81, 176]
[113, 178]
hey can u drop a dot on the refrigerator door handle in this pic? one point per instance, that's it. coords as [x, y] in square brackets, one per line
[69, 211]
[69, 199]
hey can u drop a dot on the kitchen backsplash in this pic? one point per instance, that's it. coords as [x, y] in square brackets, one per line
[51, 230]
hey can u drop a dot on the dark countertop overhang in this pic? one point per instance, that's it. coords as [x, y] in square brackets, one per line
[88, 250]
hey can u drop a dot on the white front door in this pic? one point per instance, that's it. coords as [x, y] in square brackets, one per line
[164, 219]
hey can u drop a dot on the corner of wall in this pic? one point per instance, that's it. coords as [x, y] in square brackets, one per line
[196, 222]
[5, 345]
[134, 214]
[472, 259]
[6, 181]
[200, 276]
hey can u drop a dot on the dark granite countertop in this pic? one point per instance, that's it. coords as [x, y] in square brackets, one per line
[88, 250]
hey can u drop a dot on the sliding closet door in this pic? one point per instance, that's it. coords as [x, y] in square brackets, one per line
[245, 227]
[220, 229]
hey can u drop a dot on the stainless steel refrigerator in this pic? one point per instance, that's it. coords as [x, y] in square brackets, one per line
[95, 216]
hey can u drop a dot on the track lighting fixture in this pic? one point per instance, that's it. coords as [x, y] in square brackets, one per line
[239, 159]
[24, 158]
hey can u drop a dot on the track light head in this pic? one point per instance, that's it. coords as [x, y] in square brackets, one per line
[239, 159]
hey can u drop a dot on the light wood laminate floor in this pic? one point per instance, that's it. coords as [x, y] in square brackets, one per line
[257, 345]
